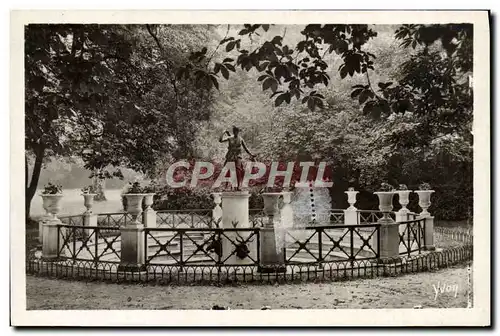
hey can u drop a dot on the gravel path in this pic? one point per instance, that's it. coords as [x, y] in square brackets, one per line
[408, 291]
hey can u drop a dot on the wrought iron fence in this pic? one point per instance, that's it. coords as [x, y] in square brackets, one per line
[411, 236]
[72, 220]
[338, 242]
[337, 216]
[193, 274]
[115, 219]
[192, 246]
[91, 243]
[191, 218]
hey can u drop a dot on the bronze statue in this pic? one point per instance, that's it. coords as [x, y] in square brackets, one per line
[234, 152]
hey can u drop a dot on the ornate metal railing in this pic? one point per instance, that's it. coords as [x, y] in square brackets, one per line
[190, 218]
[94, 243]
[411, 236]
[209, 246]
[372, 216]
[337, 216]
[115, 219]
[327, 243]
[72, 220]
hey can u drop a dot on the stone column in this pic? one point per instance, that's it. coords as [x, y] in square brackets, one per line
[89, 219]
[42, 220]
[132, 257]
[217, 210]
[429, 233]
[389, 242]
[149, 215]
[52, 239]
[351, 214]
[424, 201]
[388, 230]
[235, 214]
[271, 257]
[132, 248]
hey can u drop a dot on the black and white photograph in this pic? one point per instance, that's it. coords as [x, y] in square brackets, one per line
[251, 161]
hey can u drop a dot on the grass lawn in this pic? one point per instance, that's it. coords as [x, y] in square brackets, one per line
[407, 291]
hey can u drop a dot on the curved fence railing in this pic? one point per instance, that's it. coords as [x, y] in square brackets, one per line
[326, 271]
[202, 218]
[180, 246]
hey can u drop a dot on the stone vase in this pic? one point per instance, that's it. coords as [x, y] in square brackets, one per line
[148, 201]
[88, 201]
[424, 200]
[134, 206]
[351, 199]
[404, 198]
[385, 199]
[271, 204]
[52, 204]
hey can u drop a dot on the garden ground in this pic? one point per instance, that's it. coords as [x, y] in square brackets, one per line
[407, 291]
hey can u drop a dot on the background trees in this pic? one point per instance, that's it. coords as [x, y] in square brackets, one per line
[379, 103]
[108, 94]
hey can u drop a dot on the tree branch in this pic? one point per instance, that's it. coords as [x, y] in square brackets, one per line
[217, 48]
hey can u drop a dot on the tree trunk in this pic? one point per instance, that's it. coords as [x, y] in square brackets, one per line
[35, 176]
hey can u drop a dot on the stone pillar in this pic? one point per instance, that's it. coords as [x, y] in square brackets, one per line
[132, 257]
[42, 220]
[52, 239]
[388, 230]
[429, 233]
[389, 242]
[351, 214]
[149, 215]
[89, 219]
[217, 210]
[132, 248]
[271, 256]
[424, 201]
[235, 214]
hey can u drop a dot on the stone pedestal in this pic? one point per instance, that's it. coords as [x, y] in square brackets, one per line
[42, 220]
[402, 216]
[235, 214]
[132, 248]
[351, 217]
[429, 233]
[149, 218]
[52, 240]
[89, 219]
[389, 242]
[272, 258]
